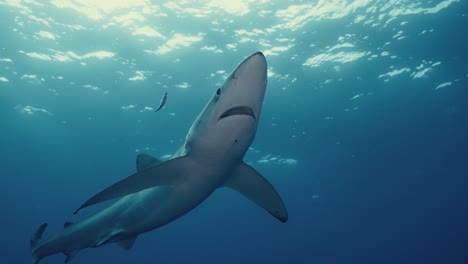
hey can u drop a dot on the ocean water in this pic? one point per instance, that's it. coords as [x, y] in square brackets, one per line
[363, 130]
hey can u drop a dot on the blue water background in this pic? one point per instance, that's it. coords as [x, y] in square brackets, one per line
[369, 153]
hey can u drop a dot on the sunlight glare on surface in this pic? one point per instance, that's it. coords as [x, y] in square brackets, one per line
[99, 9]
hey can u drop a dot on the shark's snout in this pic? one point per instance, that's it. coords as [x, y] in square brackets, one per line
[254, 65]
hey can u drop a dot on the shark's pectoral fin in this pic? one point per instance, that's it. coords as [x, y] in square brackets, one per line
[35, 239]
[247, 181]
[67, 224]
[145, 161]
[71, 255]
[37, 235]
[166, 173]
[127, 244]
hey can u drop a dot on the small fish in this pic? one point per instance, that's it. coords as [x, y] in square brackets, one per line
[162, 103]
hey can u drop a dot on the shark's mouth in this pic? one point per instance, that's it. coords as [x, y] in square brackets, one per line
[238, 110]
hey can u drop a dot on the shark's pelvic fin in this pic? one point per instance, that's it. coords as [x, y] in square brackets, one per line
[110, 237]
[145, 161]
[166, 173]
[127, 244]
[247, 181]
[71, 255]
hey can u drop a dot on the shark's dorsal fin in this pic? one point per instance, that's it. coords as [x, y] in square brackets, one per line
[145, 161]
[71, 255]
[166, 173]
[67, 224]
[127, 244]
[247, 181]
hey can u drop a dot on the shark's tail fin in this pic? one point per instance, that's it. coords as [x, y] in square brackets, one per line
[35, 239]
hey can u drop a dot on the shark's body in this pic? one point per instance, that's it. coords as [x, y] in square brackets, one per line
[160, 192]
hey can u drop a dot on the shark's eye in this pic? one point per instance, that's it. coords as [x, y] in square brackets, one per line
[218, 92]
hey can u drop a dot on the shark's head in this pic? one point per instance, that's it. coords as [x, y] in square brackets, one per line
[228, 123]
[243, 91]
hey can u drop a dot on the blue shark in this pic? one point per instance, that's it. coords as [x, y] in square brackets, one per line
[159, 192]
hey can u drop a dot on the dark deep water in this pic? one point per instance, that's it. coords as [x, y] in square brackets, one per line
[363, 130]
